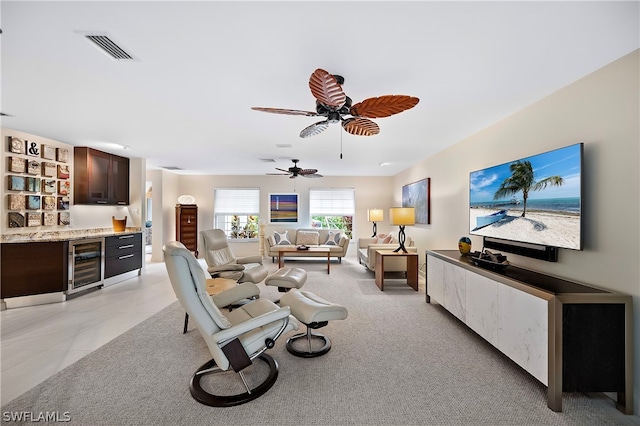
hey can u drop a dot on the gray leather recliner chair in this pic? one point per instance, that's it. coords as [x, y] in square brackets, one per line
[234, 338]
[223, 263]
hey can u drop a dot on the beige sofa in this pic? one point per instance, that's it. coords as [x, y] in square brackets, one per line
[314, 237]
[367, 253]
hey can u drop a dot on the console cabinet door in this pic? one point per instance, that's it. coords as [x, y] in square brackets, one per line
[482, 306]
[454, 290]
[435, 279]
[523, 330]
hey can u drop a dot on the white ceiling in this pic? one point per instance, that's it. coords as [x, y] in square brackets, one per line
[200, 66]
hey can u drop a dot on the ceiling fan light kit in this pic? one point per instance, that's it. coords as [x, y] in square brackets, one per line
[334, 104]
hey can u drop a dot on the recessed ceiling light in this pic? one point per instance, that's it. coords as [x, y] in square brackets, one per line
[267, 160]
[385, 164]
[284, 145]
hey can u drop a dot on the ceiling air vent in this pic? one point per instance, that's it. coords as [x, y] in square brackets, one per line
[107, 46]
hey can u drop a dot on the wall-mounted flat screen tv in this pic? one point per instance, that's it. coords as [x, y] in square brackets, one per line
[535, 200]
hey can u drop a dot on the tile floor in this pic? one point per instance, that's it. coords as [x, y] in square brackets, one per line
[38, 341]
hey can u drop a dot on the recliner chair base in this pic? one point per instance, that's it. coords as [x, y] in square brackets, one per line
[206, 398]
[308, 336]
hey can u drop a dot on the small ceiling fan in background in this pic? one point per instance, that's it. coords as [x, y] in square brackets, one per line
[295, 171]
[332, 103]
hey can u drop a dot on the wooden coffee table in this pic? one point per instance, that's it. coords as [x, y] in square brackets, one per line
[313, 252]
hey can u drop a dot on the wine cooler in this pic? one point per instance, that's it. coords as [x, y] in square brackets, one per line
[85, 264]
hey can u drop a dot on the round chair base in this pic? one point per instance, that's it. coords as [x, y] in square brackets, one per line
[309, 353]
[206, 398]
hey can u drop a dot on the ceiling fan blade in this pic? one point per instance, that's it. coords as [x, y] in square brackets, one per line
[283, 170]
[360, 127]
[304, 172]
[278, 174]
[326, 89]
[314, 129]
[314, 175]
[383, 106]
[286, 111]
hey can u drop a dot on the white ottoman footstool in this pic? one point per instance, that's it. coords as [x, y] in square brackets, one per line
[314, 312]
[287, 278]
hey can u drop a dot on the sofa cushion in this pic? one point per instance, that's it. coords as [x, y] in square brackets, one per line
[281, 239]
[333, 238]
[307, 238]
[384, 239]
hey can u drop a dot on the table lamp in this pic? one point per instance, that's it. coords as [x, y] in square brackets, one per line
[402, 216]
[375, 215]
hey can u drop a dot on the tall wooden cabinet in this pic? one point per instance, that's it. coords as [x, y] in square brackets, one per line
[187, 226]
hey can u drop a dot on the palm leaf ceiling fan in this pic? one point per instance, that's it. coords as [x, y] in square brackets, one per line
[332, 103]
[296, 171]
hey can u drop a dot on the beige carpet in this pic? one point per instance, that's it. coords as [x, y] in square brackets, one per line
[395, 361]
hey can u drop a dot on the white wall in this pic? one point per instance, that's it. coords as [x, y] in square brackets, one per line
[602, 110]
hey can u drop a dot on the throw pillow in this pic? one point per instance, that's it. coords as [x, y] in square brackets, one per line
[333, 238]
[384, 239]
[282, 239]
[307, 238]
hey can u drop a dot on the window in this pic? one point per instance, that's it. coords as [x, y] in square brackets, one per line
[332, 208]
[237, 212]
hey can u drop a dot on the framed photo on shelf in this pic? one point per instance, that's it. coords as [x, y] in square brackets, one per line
[33, 202]
[16, 145]
[17, 164]
[17, 183]
[283, 208]
[48, 219]
[48, 169]
[417, 195]
[63, 171]
[64, 218]
[34, 219]
[63, 203]
[64, 186]
[16, 202]
[49, 186]
[33, 167]
[33, 184]
[16, 220]
[62, 155]
[48, 202]
[48, 152]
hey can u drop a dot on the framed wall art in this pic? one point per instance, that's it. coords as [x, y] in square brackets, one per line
[417, 195]
[16, 145]
[48, 152]
[17, 164]
[283, 208]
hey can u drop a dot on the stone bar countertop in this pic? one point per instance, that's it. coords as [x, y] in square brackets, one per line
[64, 235]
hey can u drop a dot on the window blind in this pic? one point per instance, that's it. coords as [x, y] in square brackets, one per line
[237, 201]
[332, 202]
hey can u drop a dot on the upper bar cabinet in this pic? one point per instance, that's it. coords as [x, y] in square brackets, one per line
[100, 177]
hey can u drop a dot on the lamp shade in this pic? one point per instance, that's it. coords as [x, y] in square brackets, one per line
[401, 216]
[375, 215]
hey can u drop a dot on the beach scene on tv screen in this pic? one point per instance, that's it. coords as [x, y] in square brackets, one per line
[534, 199]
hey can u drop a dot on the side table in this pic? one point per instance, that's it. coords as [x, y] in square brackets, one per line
[412, 267]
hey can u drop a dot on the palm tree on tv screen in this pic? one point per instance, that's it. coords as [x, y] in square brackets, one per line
[522, 179]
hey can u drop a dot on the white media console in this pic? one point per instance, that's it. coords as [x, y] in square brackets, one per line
[570, 336]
